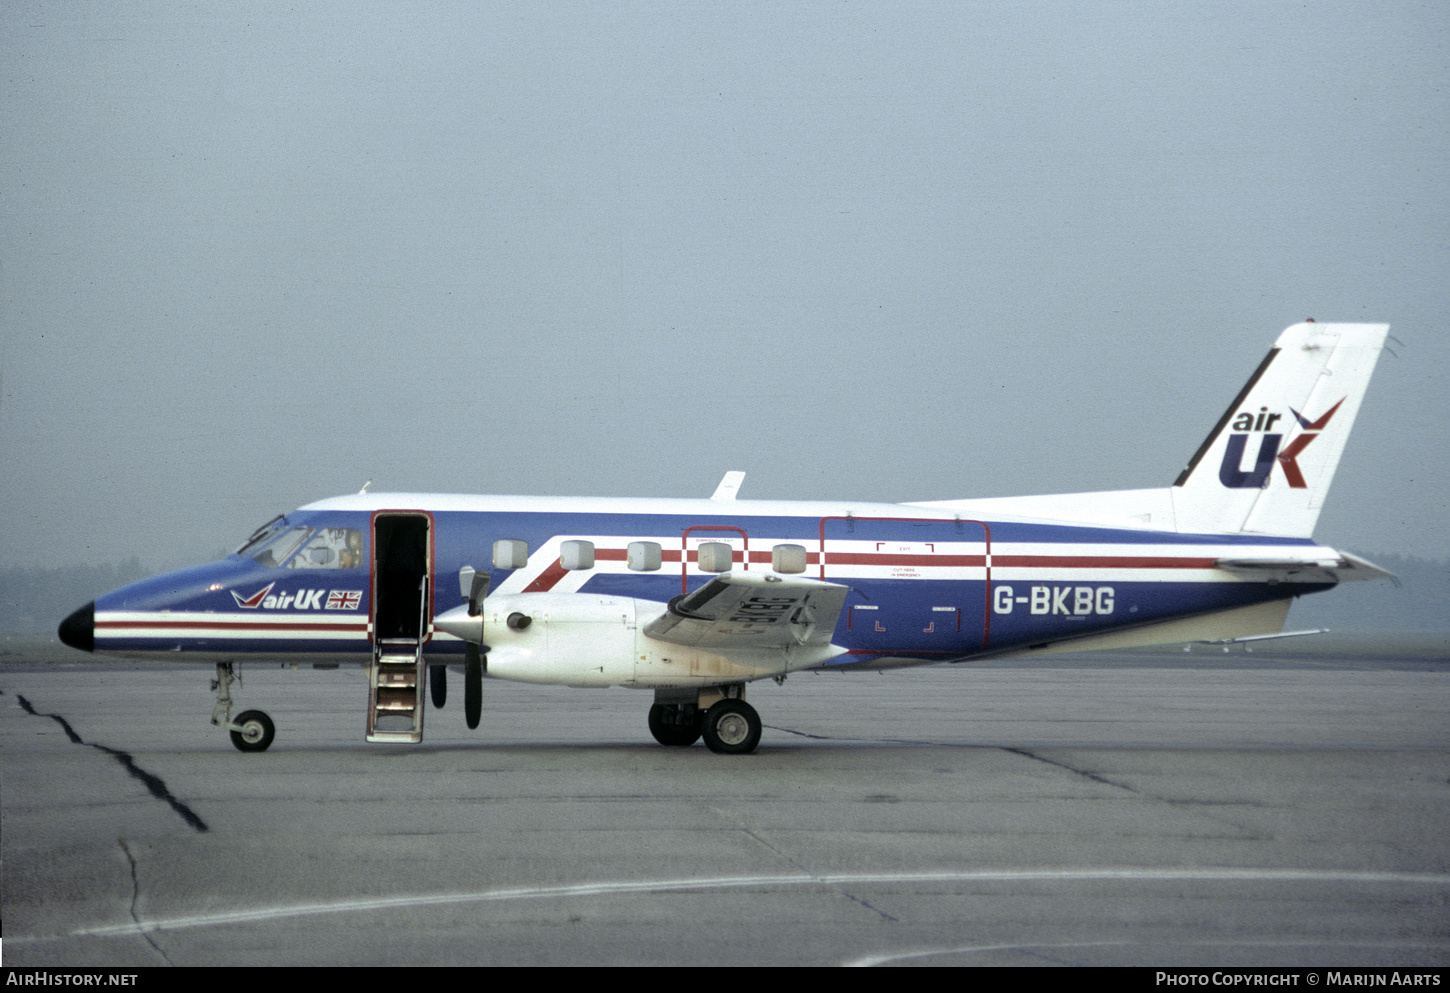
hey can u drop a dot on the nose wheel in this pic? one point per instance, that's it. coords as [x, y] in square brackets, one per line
[254, 733]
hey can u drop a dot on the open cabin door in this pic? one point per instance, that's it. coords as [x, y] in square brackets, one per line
[400, 623]
[930, 582]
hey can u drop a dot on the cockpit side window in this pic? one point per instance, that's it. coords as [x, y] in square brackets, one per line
[279, 551]
[332, 548]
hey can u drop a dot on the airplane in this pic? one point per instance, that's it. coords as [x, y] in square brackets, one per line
[694, 599]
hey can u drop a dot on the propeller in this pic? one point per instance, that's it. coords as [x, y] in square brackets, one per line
[472, 686]
[438, 685]
[474, 586]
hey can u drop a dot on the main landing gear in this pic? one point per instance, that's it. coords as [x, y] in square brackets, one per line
[253, 730]
[675, 723]
[729, 725]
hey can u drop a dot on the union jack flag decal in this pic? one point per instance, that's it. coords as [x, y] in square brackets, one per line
[344, 599]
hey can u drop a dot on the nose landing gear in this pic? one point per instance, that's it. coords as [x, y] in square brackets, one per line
[257, 732]
[253, 730]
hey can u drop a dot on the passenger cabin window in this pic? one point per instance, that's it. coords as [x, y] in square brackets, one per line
[510, 553]
[644, 556]
[788, 558]
[715, 556]
[577, 554]
[332, 548]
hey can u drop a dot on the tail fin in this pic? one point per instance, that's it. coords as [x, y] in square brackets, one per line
[1267, 465]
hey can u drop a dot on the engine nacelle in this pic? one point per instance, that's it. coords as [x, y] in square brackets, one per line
[560, 638]
[587, 639]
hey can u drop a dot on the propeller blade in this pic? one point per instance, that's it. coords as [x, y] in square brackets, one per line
[478, 589]
[472, 686]
[473, 585]
[438, 685]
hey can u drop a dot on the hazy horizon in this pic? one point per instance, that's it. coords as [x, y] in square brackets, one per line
[257, 255]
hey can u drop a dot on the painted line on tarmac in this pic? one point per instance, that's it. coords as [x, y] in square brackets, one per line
[870, 961]
[1129, 874]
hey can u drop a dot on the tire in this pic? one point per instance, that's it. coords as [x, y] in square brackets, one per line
[667, 732]
[732, 727]
[256, 734]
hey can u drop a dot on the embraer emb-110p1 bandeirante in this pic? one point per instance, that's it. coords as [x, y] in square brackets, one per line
[694, 599]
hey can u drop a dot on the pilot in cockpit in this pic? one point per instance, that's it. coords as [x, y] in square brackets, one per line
[332, 548]
[351, 557]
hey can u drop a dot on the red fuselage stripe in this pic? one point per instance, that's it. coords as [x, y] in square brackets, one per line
[229, 626]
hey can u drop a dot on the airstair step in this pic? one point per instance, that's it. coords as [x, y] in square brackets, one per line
[395, 704]
[390, 699]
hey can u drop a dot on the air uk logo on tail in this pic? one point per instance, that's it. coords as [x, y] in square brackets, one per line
[1231, 472]
[1296, 447]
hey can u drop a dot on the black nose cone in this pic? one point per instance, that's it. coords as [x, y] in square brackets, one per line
[79, 629]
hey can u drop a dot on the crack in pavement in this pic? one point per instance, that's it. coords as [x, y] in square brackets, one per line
[869, 741]
[1062, 765]
[793, 862]
[135, 896]
[154, 784]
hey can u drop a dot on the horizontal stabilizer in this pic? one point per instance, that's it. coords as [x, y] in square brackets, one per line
[1338, 566]
[1266, 637]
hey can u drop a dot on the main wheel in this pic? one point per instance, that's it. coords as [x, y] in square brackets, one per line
[662, 724]
[256, 734]
[732, 727]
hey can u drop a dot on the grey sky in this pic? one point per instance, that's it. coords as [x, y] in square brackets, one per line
[255, 255]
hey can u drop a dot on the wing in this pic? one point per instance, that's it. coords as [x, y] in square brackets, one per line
[741, 611]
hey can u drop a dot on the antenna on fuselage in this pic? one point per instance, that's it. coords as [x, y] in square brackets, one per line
[729, 486]
[365, 487]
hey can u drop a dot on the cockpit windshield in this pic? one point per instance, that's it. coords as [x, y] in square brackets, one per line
[262, 535]
[279, 551]
[332, 548]
[274, 543]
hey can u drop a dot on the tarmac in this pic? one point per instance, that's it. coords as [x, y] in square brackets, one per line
[1164, 809]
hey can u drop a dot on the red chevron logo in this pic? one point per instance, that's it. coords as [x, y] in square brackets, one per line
[255, 600]
[1289, 456]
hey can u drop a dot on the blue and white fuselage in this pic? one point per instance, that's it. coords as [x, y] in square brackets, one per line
[924, 586]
